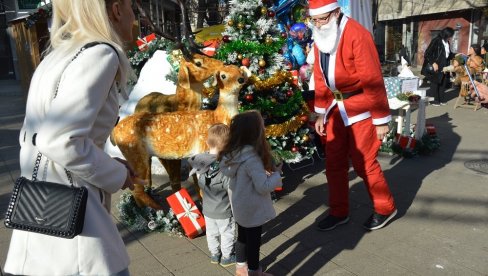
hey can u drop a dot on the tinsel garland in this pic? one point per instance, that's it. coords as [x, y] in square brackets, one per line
[289, 126]
[252, 47]
[147, 219]
[277, 79]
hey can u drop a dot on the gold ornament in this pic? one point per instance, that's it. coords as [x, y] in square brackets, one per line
[262, 62]
[230, 22]
[292, 125]
[264, 10]
[273, 100]
[239, 56]
[305, 137]
[240, 25]
[268, 40]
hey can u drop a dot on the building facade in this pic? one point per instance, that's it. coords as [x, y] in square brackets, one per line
[413, 23]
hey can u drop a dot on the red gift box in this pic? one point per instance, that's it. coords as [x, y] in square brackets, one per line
[187, 213]
[430, 128]
[406, 142]
[294, 74]
[210, 47]
[142, 43]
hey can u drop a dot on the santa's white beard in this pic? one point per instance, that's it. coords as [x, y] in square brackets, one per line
[326, 36]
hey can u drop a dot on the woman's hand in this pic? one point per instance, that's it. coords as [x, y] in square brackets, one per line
[128, 182]
[435, 66]
[131, 175]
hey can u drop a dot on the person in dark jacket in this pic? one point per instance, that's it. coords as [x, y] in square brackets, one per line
[438, 55]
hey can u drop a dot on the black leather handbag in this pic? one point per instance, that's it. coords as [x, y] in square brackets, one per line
[427, 69]
[47, 208]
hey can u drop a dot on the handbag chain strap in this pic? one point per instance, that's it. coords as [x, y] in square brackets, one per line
[39, 155]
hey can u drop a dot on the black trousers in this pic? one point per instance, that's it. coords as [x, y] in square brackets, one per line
[248, 245]
[437, 89]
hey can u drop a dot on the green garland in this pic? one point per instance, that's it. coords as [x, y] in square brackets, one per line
[425, 146]
[147, 219]
[138, 58]
[248, 47]
[270, 107]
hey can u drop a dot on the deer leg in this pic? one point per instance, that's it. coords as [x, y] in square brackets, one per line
[173, 168]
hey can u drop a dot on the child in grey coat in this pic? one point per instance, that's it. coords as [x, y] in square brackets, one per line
[219, 221]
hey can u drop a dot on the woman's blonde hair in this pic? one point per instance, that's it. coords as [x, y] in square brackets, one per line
[77, 22]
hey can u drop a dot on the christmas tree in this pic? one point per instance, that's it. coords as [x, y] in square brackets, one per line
[252, 39]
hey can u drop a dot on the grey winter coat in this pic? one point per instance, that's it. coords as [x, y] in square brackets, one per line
[250, 188]
[214, 184]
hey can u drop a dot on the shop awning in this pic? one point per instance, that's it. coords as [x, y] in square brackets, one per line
[398, 9]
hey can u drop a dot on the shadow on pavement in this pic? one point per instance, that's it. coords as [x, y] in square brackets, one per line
[309, 250]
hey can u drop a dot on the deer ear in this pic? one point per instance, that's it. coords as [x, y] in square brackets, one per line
[216, 78]
[184, 76]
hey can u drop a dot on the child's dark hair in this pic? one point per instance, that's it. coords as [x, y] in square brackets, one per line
[217, 136]
[247, 128]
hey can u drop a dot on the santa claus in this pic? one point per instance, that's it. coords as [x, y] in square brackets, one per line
[351, 101]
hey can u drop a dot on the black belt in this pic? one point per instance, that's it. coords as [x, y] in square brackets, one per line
[339, 96]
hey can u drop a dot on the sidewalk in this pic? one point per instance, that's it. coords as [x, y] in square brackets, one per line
[441, 228]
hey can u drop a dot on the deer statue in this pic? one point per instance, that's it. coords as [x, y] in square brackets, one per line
[175, 135]
[188, 96]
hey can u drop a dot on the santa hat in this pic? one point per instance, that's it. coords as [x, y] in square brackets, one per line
[317, 7]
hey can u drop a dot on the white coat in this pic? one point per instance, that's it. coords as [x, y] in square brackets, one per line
[71, 132]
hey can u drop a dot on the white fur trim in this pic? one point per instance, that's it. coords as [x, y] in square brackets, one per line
[323, 9]
[382, 121]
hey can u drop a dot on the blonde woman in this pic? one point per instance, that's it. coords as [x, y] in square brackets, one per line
[71, 109]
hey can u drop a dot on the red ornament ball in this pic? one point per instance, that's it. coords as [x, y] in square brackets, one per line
[289, 93]
[249, 97]
[284, 35]
[246, 62]
[271, 13]
[294, 149]
[225, 38]
[304, 118]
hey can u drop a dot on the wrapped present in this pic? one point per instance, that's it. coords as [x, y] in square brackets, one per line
[430, 129]
[294, 74]
[393, 86]
[397, 85]
[210, 47]
[187, 213]
[406, 142]
[142, 43]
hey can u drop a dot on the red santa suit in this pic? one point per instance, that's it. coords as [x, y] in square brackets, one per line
[350, 123]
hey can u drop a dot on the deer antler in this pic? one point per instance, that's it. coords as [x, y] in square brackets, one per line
[192, 45]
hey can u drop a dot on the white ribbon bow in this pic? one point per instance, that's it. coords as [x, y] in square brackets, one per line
[188, 210]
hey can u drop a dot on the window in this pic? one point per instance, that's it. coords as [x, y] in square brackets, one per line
[31, 4]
